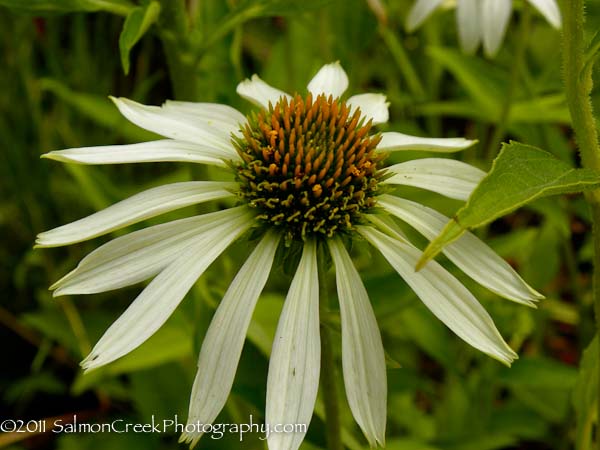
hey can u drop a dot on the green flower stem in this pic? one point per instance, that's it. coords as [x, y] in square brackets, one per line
[174, 32]
[328, 367]
[518, 63]
[578, 85]
[329, 386]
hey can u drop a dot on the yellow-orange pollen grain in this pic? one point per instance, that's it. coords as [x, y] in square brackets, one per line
[308, 166]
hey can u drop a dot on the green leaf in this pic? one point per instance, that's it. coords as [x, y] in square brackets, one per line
[137, 23]
[121, 7]
[585, 394]
[520, 174]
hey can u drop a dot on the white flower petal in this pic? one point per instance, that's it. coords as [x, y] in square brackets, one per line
[331, 79]
[227, 116]
[260, 93]
[154, 151]
[151, 309]
[419, 12]
[373, 107]
[448, 177]
[146, 204]
[469, 253]
[444, 295]
[140, 255]
[363, 358]
[386, 224]
[550, 10]
[294, 366]
[495, 17]
[392, 141]
[170, 122]
[468, 16]
[224, 340]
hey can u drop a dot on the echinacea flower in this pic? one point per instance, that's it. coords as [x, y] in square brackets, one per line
[481, 20]
[308, 172]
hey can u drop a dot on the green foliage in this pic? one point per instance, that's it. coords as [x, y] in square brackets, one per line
[63, 6]
[58, 72]
[520, 174]
[136, 24]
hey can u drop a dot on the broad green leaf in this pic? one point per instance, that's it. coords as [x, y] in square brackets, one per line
[121, 7]
[585, 395]
[137, 23]
[520, 174]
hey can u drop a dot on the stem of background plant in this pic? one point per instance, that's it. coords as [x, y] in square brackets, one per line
[174, 33]
[518, 63]
[403, 62]
[328, 369]
[578, 86]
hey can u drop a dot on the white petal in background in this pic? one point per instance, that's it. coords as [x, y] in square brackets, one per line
[169, 122]
[146, 204]
[151, 309]
[550, 10]
[363, 358]
[331, 79]
[454, 179]
[140, 255]
[444, 295]
[222, 346]
[153, 151]
[495, 15]
[469, 253]
[419, 12]
[392, 141]
[468, 17]
[260, 93]
[373, 107]
[293, 379]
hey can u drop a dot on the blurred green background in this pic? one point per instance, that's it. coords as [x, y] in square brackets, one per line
[60, 64]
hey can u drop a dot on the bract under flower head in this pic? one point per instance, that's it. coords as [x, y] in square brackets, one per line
[309, 166]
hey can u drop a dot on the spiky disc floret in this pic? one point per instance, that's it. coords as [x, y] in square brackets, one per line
[308, 166]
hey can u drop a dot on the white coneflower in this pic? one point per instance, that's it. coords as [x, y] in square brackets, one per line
[481, 20]
[308, 170]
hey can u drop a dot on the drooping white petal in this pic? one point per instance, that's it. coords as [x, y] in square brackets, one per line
[228, 117]
[146, 204]
[392, 141]
[294, 366]
[224, 340]
[363, 358]
[448, 177]
[140, 255]
[469, 253]
[550, 10]
[154, 151]
[495, 17]
[373, 107]
[468, 17]
[260, 93]
[331, 79]
[151, 309]
[170, 122]
[386, 224]
[444, 295]
[421, 10]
